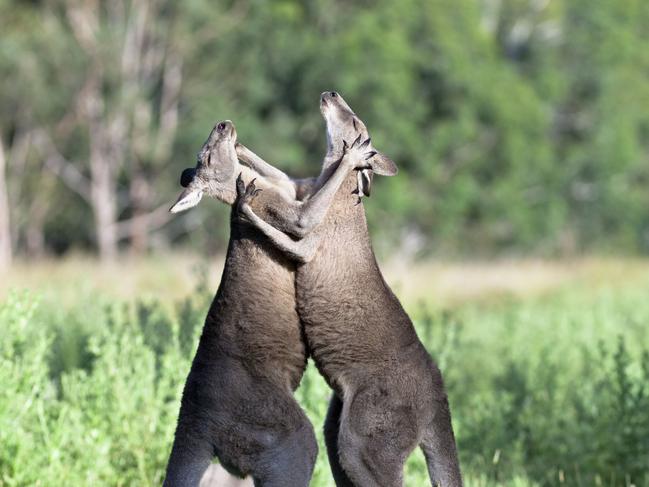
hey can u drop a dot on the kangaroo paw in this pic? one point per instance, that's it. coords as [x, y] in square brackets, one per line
[245, 194]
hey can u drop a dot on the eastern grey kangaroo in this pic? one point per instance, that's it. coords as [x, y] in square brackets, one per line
[389, 395]
[237, 402]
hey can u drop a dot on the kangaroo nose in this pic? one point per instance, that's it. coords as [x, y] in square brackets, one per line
[328, 94]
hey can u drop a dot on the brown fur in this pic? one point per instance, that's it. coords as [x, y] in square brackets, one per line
[237, 402]
[389, 395]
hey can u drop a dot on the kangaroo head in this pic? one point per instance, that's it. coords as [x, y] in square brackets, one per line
[215, 170]
[343, 126]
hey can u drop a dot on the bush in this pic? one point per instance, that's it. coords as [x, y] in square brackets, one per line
[536, 399]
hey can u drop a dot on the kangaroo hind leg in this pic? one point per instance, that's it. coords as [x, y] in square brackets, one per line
[376, 436]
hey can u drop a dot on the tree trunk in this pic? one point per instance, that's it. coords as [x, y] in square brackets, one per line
[106, 137]
[35, 240]
[34, 233]
[123, 132]
[5, 224]
[139, 234]
[139, 231]
[104, 208]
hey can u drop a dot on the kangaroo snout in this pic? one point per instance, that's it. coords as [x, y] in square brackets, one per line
[226, 127]
[327, 96]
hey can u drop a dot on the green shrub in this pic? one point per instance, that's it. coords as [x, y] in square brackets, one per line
[543, 392]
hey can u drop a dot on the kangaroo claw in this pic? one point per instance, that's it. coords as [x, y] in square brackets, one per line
[245, 194]
[251, 191]
[241, 186]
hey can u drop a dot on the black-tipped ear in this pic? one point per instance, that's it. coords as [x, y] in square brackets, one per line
[383, 165]
[187, 176]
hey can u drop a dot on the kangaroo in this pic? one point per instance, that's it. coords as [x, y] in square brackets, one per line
[237, 401]
[389, 395]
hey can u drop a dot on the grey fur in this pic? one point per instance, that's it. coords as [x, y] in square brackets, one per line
[238, 399]
[237, 402]
[389, 395]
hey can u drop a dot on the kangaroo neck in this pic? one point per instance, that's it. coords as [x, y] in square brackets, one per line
[227, 192]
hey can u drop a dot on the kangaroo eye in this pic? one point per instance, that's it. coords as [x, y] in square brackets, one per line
[208, 161]
[354, 123]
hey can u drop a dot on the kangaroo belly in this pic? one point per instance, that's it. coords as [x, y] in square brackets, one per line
[253, 317]
[352, 321]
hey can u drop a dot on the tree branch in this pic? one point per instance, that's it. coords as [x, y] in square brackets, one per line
[83, 19]
[61, 167]
[168, 121]
[153, 220]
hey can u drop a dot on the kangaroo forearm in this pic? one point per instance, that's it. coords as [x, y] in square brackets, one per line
[301, 218]
[252, 160]
[315, 209]
[300, 250]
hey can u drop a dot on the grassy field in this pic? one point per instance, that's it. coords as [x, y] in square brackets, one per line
[546, 363]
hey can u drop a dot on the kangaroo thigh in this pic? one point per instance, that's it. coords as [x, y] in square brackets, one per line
[377, 433]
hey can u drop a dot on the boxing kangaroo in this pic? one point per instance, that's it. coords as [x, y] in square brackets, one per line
[237, 402]
[389, 395]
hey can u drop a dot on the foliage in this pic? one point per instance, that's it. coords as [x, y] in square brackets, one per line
[517, 124]
[543, 391]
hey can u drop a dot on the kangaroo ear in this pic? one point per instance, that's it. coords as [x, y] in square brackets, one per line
[187, 199]
[383, 165]
[364, 177]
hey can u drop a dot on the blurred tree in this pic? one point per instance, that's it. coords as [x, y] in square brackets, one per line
[5, 225]
[518, 125]
[127, 104]
[605, 139]
[21, 79]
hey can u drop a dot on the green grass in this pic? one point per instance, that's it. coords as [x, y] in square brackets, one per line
[548, 389]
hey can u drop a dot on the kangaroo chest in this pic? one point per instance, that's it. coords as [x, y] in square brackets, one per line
[332, 290]
[251, 324]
